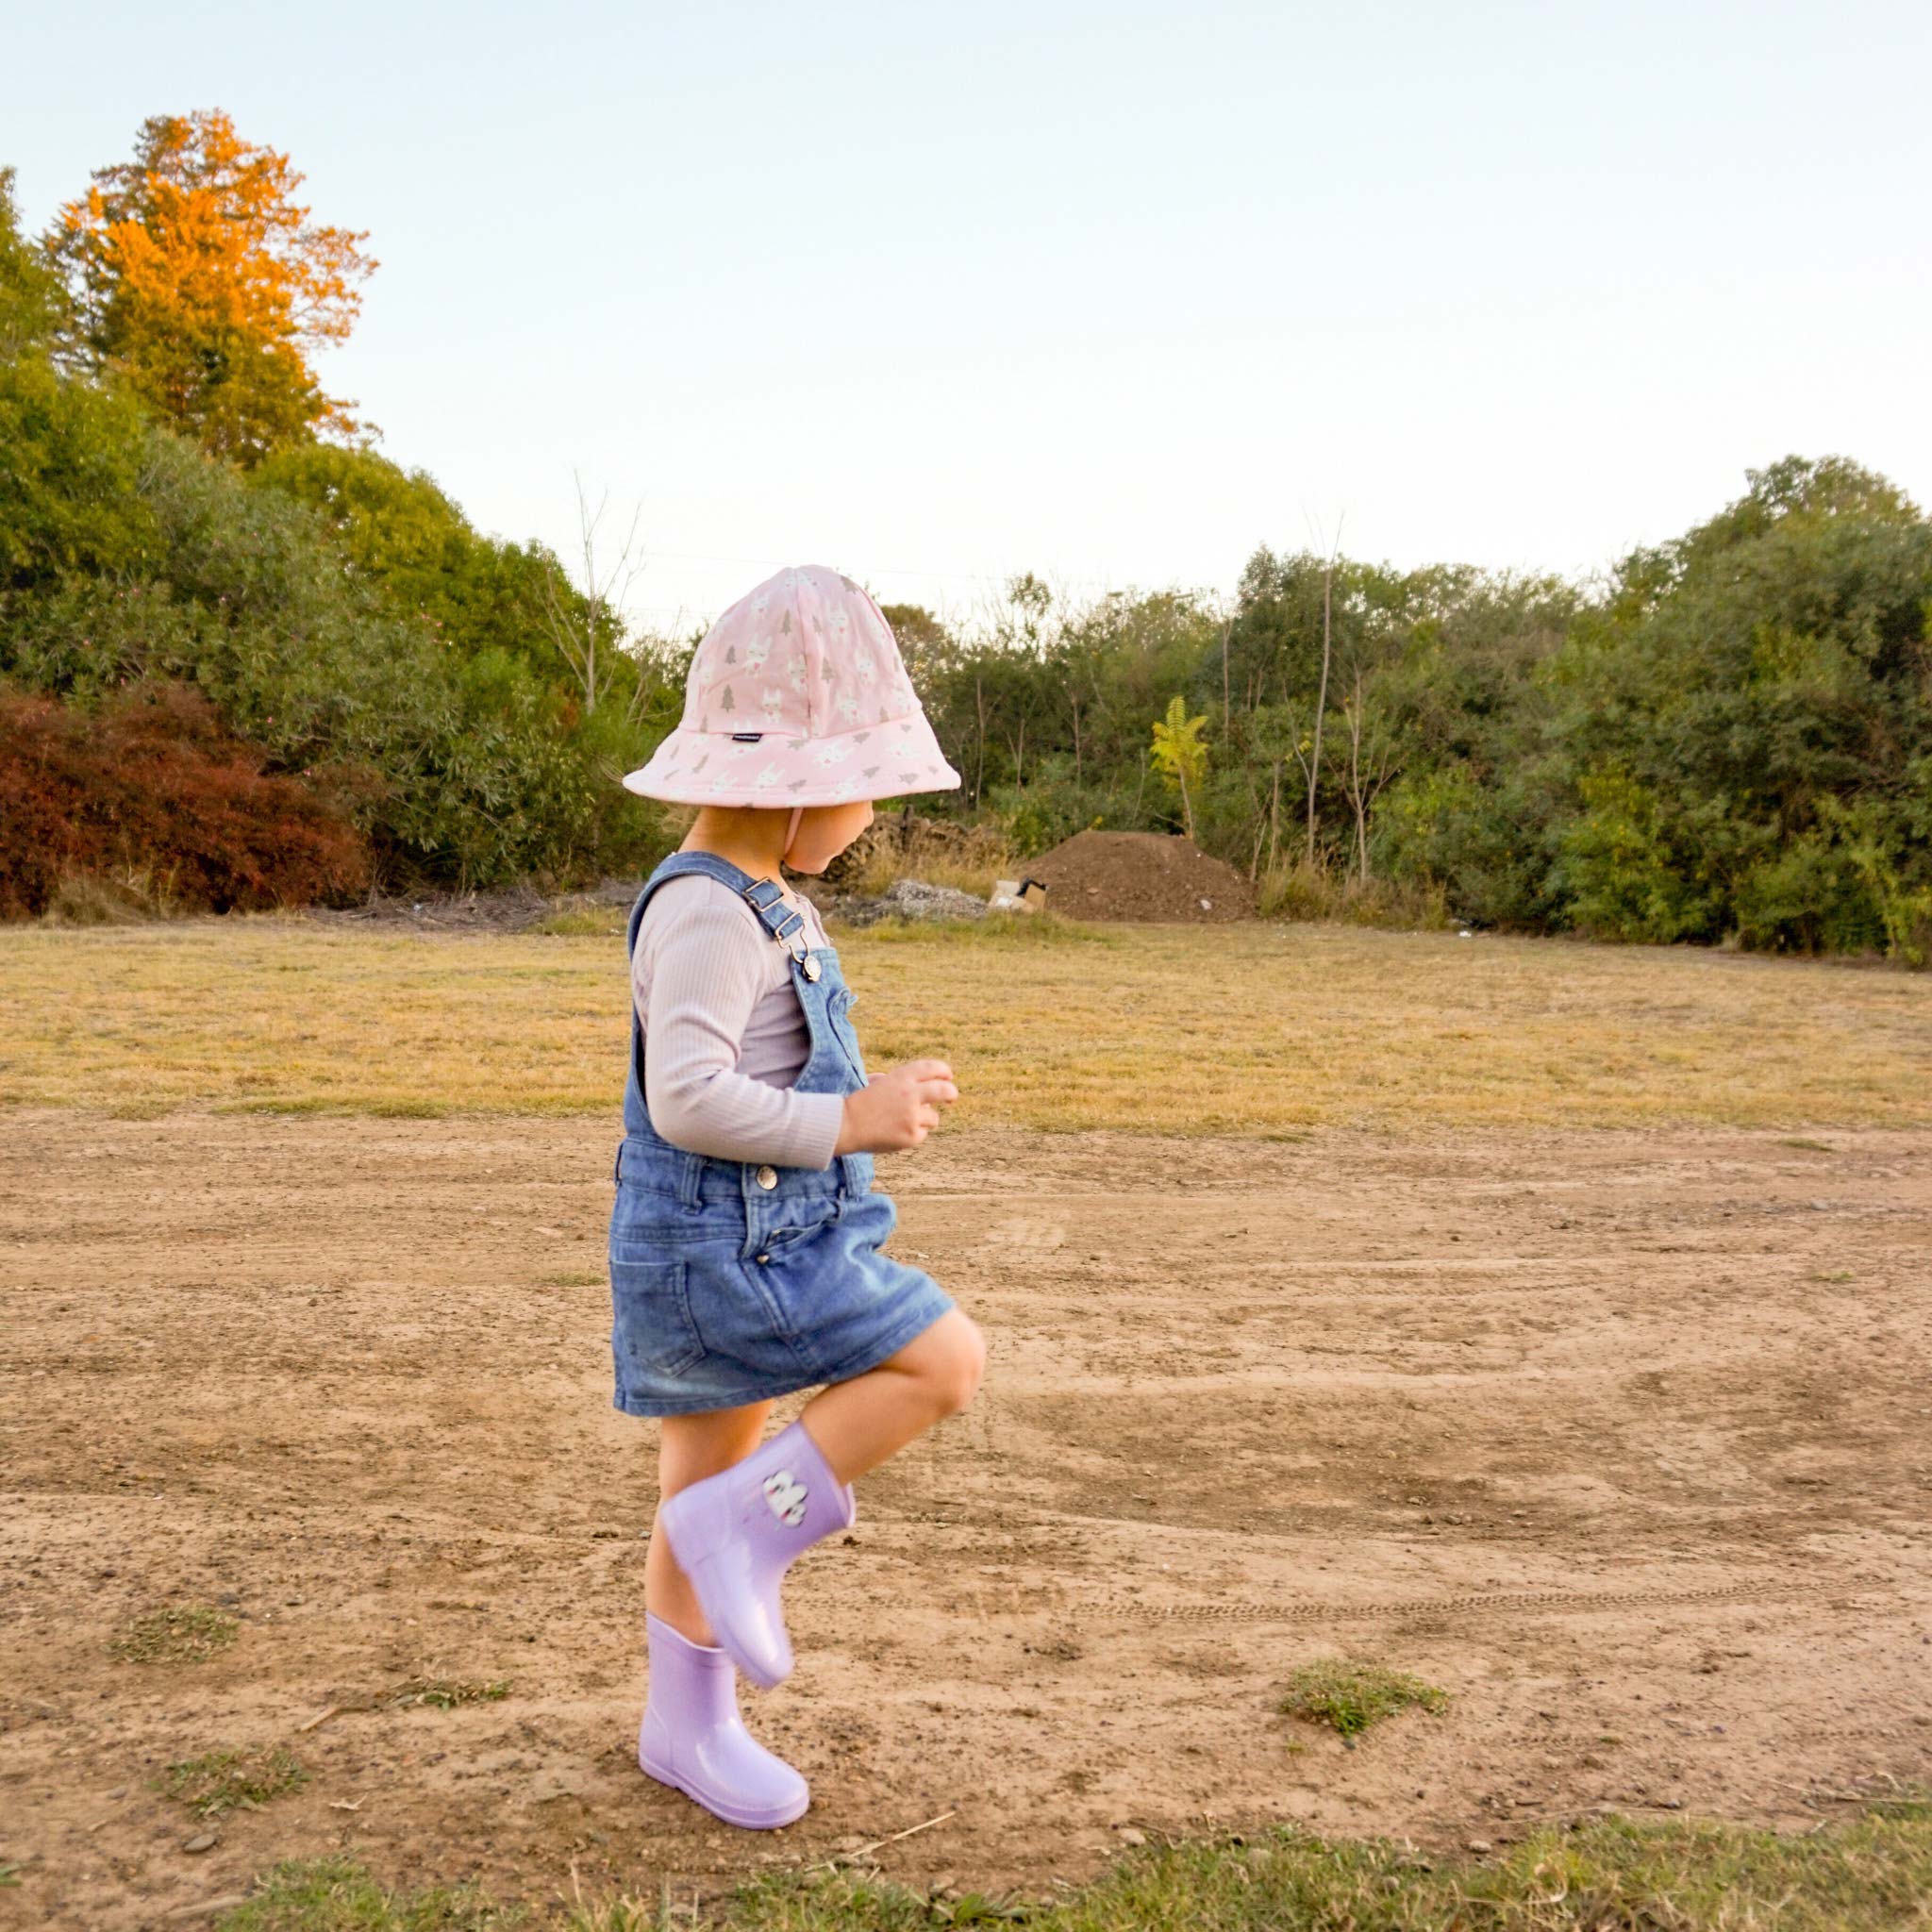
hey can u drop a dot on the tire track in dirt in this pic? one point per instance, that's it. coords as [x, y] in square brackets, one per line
[1501, 1603]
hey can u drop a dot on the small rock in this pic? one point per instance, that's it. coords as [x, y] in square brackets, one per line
[1478, 1844]
[1129, 1836]
[201, 1842]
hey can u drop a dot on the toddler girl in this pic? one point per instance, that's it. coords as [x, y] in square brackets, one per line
[746, 1241]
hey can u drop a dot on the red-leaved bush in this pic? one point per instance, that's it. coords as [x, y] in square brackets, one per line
[152, 796]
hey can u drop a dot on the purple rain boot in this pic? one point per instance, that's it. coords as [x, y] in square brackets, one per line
[735, 1535]
[694, 1741]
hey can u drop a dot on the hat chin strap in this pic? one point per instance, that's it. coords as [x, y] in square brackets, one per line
[792, 832]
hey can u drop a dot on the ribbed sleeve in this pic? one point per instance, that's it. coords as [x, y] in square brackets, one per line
[702, 967]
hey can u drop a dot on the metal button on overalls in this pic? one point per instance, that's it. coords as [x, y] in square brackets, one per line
[767, 1176]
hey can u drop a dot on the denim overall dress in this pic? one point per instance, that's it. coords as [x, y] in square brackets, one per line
[733, 1281]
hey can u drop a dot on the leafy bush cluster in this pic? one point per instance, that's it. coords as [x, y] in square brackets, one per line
[356, 638]
[150, 793]
[1729, 741]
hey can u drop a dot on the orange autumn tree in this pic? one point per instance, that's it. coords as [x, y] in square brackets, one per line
[201, 281]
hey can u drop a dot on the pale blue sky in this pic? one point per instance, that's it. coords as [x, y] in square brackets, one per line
[1114, 293]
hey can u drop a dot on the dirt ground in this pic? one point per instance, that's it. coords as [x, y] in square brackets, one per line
[1622, 1439]
[1139, 876]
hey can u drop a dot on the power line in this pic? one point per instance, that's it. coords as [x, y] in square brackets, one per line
[876, 569]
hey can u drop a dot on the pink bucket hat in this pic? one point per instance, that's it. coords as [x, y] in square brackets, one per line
[797, 696]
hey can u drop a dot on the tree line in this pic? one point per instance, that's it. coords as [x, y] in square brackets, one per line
[205, 563]
[247, 658]
[1730, 739]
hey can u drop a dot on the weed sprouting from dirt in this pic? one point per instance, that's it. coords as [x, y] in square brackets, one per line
[446, 1693]
[1871, 1873]
[221, 1781]
[181, 1634]
[1352, 1696]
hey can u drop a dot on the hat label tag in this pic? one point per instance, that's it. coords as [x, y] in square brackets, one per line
[746, 737]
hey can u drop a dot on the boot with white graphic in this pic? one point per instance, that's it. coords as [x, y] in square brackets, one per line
[736, 1534]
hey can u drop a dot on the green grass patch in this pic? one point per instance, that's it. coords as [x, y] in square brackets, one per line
[181, 1634]
[1872, 1874]
[222, 1781]
[446, 1693]
[339, 1895]
[1349, 1697]
[574, 1277]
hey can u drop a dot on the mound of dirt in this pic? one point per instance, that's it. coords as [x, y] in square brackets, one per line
[1140, 875]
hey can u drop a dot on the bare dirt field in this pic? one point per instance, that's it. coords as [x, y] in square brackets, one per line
[1622, 1437]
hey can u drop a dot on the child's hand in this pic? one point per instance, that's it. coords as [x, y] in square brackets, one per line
[897, 1109]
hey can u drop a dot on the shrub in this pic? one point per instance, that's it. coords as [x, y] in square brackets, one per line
[150, 802]
[1304, 892]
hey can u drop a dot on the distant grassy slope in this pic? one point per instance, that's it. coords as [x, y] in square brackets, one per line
[1260, 1029]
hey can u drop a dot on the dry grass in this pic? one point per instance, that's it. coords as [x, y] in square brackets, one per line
[969, 859]
[1261, 1029]
[447, 1694]
[1313, 892]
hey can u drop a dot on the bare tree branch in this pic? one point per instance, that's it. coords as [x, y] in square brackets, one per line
[575, 629]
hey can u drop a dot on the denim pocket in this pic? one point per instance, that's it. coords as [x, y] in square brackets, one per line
[801, 1221]
[838, 1011]
[653, 1329]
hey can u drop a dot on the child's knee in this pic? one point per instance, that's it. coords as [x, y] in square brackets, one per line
[955, 1376]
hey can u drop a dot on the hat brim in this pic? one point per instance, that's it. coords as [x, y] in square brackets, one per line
[893, 759]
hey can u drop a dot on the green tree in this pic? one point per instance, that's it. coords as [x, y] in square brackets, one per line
[1179, 754]
[70, 451]
[199, 279]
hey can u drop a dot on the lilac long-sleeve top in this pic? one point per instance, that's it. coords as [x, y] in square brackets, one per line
[724, 1036]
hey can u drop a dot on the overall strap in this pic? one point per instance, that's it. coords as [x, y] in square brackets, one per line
[781, 922]
[765, 897]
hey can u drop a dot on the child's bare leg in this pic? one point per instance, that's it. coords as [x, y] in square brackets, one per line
[860, 1423]
[689, 1448]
